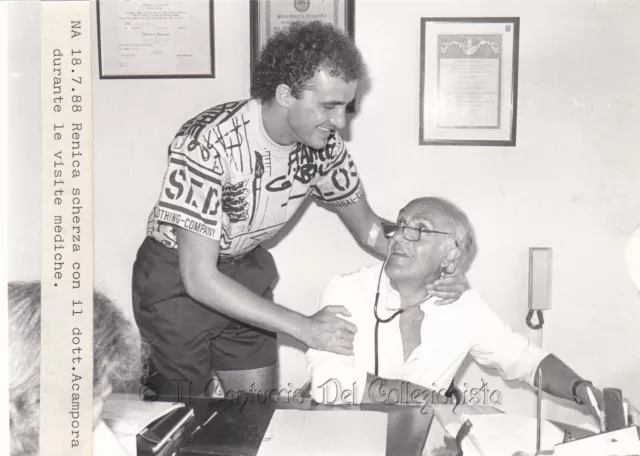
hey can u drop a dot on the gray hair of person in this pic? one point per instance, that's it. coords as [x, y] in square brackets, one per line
[117, 353]
[463, 233]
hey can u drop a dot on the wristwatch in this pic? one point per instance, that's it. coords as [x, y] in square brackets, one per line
[575, 386]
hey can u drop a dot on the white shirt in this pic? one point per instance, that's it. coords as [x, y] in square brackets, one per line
[448, 334]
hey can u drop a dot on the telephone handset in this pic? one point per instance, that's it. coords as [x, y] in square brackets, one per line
[540, 259]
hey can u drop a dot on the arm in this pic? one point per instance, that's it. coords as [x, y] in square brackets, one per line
[518, 359]
[207, 285]
[558, 380]
[336, 380]
[365, 226]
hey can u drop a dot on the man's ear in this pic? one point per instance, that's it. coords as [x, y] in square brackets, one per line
[284, 97]
[450, 260]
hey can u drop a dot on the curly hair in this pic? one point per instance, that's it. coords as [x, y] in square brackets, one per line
[118, 358]
[293, 56]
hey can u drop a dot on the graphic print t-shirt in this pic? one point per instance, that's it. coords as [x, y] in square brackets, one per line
[228, 181]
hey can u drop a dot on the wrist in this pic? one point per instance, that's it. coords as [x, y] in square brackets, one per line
[299, 327]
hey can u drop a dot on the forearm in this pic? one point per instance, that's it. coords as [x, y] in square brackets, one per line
[557, 378]
[234, 300]
[371, 236]
[365, 226]
[380, 390]
[381, 243]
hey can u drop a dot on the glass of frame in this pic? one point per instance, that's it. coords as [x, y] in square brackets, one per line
[468, 81]
[148, 39]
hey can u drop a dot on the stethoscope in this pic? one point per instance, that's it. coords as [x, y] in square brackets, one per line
[385, 320]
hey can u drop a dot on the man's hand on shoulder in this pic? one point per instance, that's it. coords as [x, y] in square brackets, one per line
[449, 288]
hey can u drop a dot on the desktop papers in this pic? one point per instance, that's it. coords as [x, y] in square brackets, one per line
[334, 432]
[503, 434]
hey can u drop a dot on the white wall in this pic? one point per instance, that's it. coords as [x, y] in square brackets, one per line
[572, 182]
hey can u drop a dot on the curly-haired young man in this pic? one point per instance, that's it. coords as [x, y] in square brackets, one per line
[237, 172]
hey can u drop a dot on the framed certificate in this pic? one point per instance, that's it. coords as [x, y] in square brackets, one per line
[469, 81]
[155, 39]
[270, 16]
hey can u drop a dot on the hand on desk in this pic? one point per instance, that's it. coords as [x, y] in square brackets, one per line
[328, 332]
[583, 396]
[633, 415]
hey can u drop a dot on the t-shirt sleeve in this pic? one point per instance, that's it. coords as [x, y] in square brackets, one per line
[340, 184]
[191, 196]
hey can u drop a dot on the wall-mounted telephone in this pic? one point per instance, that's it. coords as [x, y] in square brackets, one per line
[540, 259]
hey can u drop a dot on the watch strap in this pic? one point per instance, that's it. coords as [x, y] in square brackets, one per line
[574, 388]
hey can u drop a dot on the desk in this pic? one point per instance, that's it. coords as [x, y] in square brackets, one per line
[445, 415]
[239, 426]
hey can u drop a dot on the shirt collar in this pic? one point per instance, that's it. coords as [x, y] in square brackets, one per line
[390, 297]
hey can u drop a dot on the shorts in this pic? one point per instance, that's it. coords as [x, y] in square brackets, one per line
[188, 340]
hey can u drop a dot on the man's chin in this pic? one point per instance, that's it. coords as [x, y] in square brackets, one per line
[318, 144]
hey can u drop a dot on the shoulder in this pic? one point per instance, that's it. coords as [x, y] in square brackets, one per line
[359, 279]
[212, 117]
[351, 288]
[471, 305]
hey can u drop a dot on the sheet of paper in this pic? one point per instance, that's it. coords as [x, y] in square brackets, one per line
[127, 414]
[621, 442]
[327, 433]
[106, 443]
[503, 434]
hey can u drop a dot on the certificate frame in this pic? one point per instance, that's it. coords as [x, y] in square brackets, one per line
[340, 13]
[195, 60]
[469, 80]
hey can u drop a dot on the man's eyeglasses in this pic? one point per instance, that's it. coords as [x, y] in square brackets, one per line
[410, 233]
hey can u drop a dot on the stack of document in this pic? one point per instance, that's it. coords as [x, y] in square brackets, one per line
[326, 433]
[127, 416]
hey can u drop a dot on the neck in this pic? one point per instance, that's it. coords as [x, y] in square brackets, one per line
[411, 293]
[275, 123]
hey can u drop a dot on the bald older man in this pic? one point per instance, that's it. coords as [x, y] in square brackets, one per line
[407, 348]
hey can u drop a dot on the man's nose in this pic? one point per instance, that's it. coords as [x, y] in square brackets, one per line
[398, 236]
[338, 118]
